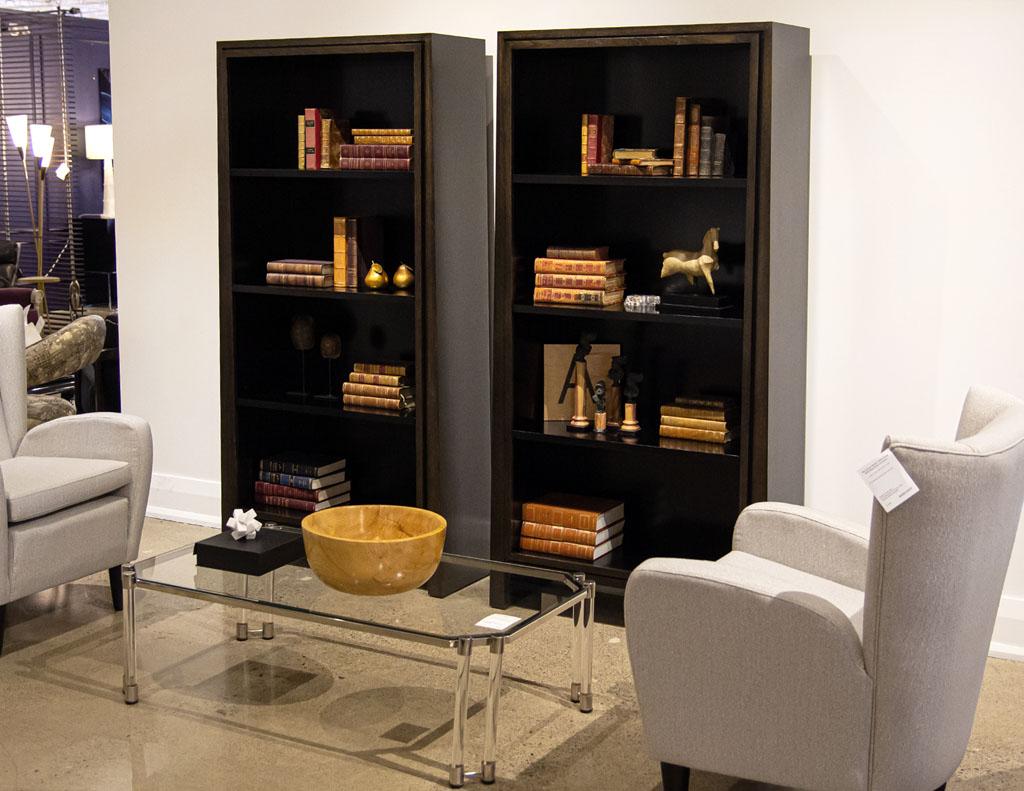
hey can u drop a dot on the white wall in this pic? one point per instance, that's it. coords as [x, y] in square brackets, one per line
[917, 221]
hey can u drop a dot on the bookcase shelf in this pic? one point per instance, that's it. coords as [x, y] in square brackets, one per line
[433, 218]
[618, 313]
[629, 181]
[405, 300]
[332, 411]
[681, 499]
[647, 441]
[294, 173]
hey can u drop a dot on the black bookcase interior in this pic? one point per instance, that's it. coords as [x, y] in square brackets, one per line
[436, 86]
[679, 500]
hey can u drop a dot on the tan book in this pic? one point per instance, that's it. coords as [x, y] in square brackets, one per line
[558, 533]
[296, 266]
[701, 413]
[692, 445]
[694, 422]
[378, 391]
[382, 132]
[302, 142]
[592, 282]
[676, 432]
[679, 137]
[567, 549]
[388, 380]
[391, 369]
[302, 281]
[576, 511]
[391, 404]
[583, 145]
[578, 296]
[567, 266]
[341, 254]
[382, 140]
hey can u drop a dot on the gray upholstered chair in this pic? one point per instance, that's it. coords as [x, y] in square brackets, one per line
[73, 491]
[812, 657]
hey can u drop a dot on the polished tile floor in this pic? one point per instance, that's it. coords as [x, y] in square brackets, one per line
[319, 708]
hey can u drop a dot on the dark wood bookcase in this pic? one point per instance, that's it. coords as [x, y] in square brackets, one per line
[678, 502]
[434, 218]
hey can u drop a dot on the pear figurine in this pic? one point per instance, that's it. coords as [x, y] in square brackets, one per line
[403, 277]
[376, 278]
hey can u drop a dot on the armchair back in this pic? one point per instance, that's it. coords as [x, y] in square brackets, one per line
[936, 569]
[13, 398]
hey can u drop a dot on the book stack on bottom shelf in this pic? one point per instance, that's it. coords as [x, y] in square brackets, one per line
[380, 387]
[706, 421]
[575, 526]
[291, 485]
[579, 276]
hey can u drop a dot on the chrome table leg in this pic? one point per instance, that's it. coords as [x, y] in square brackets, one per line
[267, 632]
[587, 654]
[457, 768]
[577, 644]
[130, 686]
[242, 625]
[488, 768]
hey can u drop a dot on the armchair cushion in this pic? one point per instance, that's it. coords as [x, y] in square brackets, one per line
[804, 539]
[35, 486]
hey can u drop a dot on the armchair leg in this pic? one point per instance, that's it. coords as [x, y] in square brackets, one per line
[115, 588]
[3, 613]
[675, 778]
[941, 787]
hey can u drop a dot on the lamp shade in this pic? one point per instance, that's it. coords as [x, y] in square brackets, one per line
[39, 134]
[18, 127]
[99, 141]
[44, 152]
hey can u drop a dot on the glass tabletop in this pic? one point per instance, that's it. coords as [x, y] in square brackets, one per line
[295, 591]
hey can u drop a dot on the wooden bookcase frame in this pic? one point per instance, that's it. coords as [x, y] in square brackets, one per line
[769, 458]
[444, 200]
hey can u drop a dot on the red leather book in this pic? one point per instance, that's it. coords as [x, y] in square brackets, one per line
[353, 150]
[375, 163]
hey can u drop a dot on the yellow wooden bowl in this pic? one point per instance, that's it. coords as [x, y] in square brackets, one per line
[373, 550]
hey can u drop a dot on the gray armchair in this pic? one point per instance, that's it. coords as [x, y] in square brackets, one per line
[73, 491]
[811, 656]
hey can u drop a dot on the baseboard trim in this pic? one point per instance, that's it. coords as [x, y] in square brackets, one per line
[179, 498]
[1008, 636]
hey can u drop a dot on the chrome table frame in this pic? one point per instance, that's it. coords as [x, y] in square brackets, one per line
[581, 601]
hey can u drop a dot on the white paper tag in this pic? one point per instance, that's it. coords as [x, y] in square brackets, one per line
[497, 621]
[887, 480]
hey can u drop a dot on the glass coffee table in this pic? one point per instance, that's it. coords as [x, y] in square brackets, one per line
[456, 622]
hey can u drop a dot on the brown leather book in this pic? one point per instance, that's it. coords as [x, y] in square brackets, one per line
[579, 512]
[578, 296]
[392, 404]
[388, 380]
[304, 281]
[558, 533]
[592, 282]
[693, 140]
[567, 549]
[677, 432]
[378, 391]
[389, 369]
[578, 253]
[679, 138]
[299, 266]
[565, 266]
[694, 422]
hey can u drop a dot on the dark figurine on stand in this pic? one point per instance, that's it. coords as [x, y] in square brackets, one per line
[579, 378]
[617, 374]
[303, 339]
[330, 350]
[600, 415]
[631, 391]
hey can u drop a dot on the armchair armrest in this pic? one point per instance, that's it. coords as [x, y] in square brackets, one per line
[5, 582]
[804, 539]
[102, 435]
[738, 673]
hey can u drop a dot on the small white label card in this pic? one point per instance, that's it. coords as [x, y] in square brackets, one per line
[497, 621]
[887, 480]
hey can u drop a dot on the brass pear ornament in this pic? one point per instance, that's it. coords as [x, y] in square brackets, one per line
[404, 277]
[376, 278]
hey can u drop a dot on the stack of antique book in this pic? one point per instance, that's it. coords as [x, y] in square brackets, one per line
[321, 136]
[380, 387]
[295, 484]
[699, 147]
[705, 420]
[579, 276]
[572, 525]
[300, 272]
[378, 149]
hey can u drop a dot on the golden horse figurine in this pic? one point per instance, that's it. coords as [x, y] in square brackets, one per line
[693, 264]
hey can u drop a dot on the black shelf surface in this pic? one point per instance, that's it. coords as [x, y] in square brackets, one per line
[295, 173]
[326, 293]
[556, 431]
[618, 313]
[679, 182]
[616, 564]
[326, 410]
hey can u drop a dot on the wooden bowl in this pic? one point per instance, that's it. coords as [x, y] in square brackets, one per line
[373, 550]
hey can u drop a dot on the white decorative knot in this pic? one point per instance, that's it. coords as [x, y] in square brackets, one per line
[244, 524]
